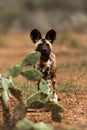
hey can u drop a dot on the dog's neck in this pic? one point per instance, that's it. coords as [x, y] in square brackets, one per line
[44, 65]
[43, 62]
[44, 58]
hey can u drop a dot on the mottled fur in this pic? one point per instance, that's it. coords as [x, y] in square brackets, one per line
[47, 63]
[48, 68]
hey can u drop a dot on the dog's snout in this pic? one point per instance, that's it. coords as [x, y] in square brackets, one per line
[44, 49]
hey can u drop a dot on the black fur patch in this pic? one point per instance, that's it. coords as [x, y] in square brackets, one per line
[44, 49]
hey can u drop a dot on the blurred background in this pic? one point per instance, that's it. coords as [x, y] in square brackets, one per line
[62, 15]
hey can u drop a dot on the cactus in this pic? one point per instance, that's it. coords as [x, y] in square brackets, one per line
[37, 100]
[57, 117]
[31, 59]
[26, 124]
[44, 87]
[53, 106]
[32, 74]
[40, 99]
[42, 126]
[14, 71]
[19, 112]
[7, 88]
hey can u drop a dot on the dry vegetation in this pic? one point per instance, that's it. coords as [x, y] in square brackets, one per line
[23, 15]
[71, 52]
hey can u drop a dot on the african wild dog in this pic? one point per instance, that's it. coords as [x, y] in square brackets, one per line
[47, 63]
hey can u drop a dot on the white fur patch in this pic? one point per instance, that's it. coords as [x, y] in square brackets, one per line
[55, 97]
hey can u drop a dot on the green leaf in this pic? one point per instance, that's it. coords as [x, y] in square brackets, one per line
[24, 124]
[32, 74]
[44, 86]
[14, 71]
[56, 116]
[37, 100]
[42, 126]
[31, 59]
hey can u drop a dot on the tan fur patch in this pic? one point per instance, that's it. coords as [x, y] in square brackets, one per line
[49, 44]
[40, 41]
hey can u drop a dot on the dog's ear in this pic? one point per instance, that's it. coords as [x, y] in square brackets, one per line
[35, 35]
[51, 35]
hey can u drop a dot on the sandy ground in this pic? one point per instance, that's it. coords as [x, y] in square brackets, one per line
[75, 107]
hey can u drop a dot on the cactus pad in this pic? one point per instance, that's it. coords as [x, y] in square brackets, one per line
[32, 74]
[31, 59]
[14, 71]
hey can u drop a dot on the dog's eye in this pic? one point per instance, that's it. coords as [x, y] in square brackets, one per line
[40, 45]
[47, 44]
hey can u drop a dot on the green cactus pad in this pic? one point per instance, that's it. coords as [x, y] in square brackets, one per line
[56, 116]
[31, 59]
[24, 124]
[5, 99]
[53, 106]
[42, 126]
[16, 92]
[4, 93]
[32, 74]
[14, 71]
[19, 112]
[37, 100]
[44, 86]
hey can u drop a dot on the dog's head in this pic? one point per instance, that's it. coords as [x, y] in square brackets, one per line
[43, 45]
